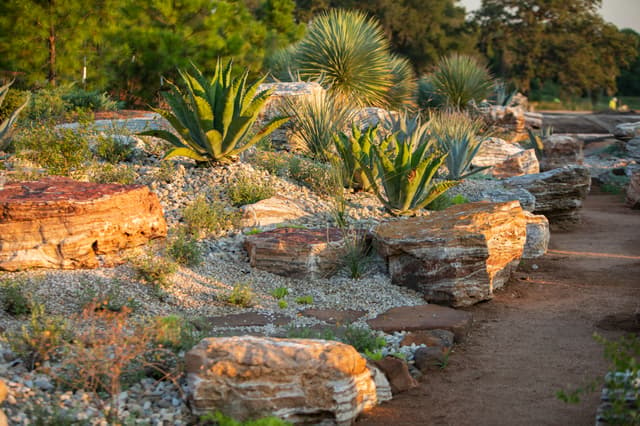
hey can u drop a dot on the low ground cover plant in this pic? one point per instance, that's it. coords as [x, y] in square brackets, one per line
[202, 217]
[247, 189]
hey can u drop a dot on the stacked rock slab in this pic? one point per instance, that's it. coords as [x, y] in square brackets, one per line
[505, 159]
[298, 380]
[633, 191]
[627, 131]
[560, 151]
[559, 193]
[61, 223]
[293, 252]
[538, 236]
[458, 256]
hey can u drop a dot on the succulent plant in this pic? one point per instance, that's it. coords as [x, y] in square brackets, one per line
[6, 127]
[459, 80]
[213, 118]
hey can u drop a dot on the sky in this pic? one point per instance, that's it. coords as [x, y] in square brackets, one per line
[623, 13]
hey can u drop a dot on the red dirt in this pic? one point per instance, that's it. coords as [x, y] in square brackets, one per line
[535, 337]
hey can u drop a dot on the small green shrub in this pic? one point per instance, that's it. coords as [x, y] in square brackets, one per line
[184, 249]
[304, 300]
[241, 295]
[15, 300]
[444, 202]
[6, 124]
[94, 100]
[280, 292]
[109, 173]
[283, 304]
[110, 300]
[155, 270]
[176, 333]
[373, 356]
[47, 104]
[113, 149]
[203, 218]
[165, 173]
[356, 251]
[245, 189]
[364, 339]
[222, 420]
[253, 231]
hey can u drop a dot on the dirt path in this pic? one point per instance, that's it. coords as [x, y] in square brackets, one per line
[535, 337]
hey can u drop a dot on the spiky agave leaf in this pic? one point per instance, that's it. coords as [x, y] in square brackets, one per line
[6, 126]
[459, 79]
[350, 54]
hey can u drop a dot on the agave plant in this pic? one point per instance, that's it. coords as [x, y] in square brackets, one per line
[213, 118]
[317, 118]
[406, 172]
[457, 135]
[354, 151]
[349, 53]
[6, 127]
[459, 80]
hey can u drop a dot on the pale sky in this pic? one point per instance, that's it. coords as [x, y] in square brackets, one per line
[623, 13]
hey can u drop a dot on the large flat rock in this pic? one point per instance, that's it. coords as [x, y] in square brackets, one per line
[458, 256]
[586, 123]
[61, 223]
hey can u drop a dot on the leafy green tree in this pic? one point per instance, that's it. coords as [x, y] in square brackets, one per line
[629, 80]
[564, 41]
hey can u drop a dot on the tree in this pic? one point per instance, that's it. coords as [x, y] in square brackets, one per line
[629, 79]
[564, 41]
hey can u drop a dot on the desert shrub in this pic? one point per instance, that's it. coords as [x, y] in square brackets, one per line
[40, 339]
[110, 299]
[245, 189]
[109, 173]
[94, 100]
[165, 173]
[363, 339]
[241, 295]
[356, 251]
[214, 117]
[16, 301]
[47, 104]
[13, 99]
[9, 116]
[457, 81]
[304, 300]
[184, 249]
[113, 148]
[222, 420]
[457, 134]
[317, 119]
[404, 85]
[176, 333]
[280, 292]
[203, 218]
[153, 269]
[59, 152]
[444, 201]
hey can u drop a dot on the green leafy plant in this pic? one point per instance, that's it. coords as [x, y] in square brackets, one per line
[184, 249]
[241, 295]
[109, 173]
[203, 217]
[354, 150]
[47, 104]
[213, 118]
[222, 420]
[406, 171]
[363, 339]
[113, 149]
[304, 300]
[6, 126]
[317, 118]
[356, 251]
[283, 304]
[94, 100]
[457, 135]
[373, 355]
[459, 80]
[155, 270]
[280, 292]
[176, 333]
[444, 201]
[16, 301]
[245, 189]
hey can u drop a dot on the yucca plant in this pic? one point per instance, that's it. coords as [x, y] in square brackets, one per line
[406, 172]
[349, 53]
[355, 149]
[6, 127]
[460, 79]
[317, 118]
[402, 94]
[213, 118]
[457, 135]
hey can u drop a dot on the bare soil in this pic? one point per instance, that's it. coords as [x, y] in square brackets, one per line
[536, 336]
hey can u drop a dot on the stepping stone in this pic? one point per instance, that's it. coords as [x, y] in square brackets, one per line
[397, 372]
[61, 223]
[248, 319]
[441, 339]
[297, 253]
[424, 317]
[334, 316]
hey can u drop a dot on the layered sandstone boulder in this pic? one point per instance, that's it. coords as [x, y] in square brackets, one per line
[627, 131]
[560, 151]
[298, 380]
[458, 256]
[271, 211]
[633, 191]
[60, 223]
[294, 252]
[505, 159]
[538, 236]
[559, 193]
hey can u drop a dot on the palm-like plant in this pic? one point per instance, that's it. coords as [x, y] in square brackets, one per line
[6, 126]
[349, 53]
[213, 118]
[459, 80]
[457, 135]
[402, 94]
[406, 171]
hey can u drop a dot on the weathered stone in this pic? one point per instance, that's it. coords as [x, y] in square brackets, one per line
[632, 149]
[580, 123]
[538, 236]
[441, 339]
[426, 359]
[397, 373]
[493, 191]
[294, 252]
[494, 151]
[458, 256]
[333, 316]
[522, 163]
[560, 151]
[424, 317]
[559, 193]
[627, 131]
[60, 223]
[633, 191]
[298, 380]
[271, 211]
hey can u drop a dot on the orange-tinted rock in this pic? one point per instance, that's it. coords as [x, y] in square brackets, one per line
[61, 223]
[294, 252]
[397, 373]
[560, 151]
[441, 339]
[633, 191]
[522, 163]
[298, 380]
[457, 256]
